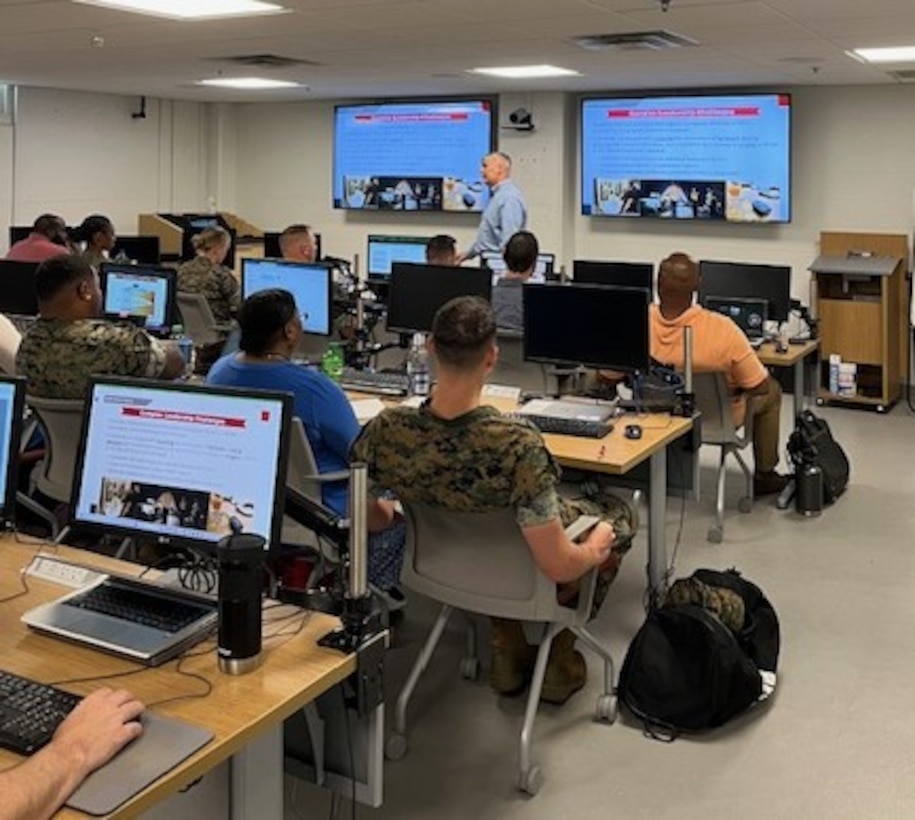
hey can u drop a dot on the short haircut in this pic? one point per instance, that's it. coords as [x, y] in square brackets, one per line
[503, 156]
[295, 230]
[59, 272]
[48, 224]
[92, 225]
[521, 252]
[210, 238]
[262, 316]
[440, 247]
[462, 330]
[678, 273]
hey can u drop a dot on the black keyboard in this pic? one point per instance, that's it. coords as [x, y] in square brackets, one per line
[367, 381]
[566, 426]
[138, 606]
[30, 712]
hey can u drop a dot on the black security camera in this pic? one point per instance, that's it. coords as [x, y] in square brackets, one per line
[521, 119]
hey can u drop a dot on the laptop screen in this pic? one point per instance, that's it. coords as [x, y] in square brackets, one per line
[181, 464]
[544, 266]
[12, 405]
[385, 250]
[309, 284]
[140, 293]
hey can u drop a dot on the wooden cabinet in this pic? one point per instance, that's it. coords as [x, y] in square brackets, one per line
[860, 284]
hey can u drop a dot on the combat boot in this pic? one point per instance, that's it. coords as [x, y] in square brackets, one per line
[566, 670]
[512, 657]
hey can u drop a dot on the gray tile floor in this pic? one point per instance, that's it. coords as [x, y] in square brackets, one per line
[836, 742]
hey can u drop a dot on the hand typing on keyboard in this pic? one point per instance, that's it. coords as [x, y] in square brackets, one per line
[98, 728]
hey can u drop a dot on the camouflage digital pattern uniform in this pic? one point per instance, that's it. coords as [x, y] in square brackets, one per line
[217, 283]
[479, 462]
[57, 356]
[725, 603]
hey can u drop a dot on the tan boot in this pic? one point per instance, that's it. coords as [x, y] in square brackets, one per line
[512, 657]
[566, 670]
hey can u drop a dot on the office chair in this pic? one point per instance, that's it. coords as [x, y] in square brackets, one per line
[481, 563]
[511, 368]
[713, 401]
[211, 338]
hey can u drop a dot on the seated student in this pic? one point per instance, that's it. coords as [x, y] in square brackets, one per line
[206, 274]
[520, 257]
[442, 250]
[271, 327]
[48, 238]
[454, 453]
[68, 342]
[94, 732]
[98, 234]
[718, 345]
[298, 244]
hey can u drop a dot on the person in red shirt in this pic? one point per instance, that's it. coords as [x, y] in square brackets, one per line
[48, 238]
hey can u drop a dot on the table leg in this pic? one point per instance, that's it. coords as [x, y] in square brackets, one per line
[657, 521]
[256, 773]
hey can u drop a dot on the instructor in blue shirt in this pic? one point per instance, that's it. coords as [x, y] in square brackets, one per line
[506, 211]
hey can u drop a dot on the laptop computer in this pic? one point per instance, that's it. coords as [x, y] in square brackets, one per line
[127, 617]
[568, 409]
[750, 315]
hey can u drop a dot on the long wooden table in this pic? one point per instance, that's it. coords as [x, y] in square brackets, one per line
[246, 712]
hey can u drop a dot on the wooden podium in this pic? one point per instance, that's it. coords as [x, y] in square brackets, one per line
[171, 229]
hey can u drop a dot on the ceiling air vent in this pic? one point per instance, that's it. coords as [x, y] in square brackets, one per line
[906, 75]
[634, 41]
[264, 61]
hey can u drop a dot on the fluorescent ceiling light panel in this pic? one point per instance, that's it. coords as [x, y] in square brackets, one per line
[895, 54]
[526, 72]
[249, 83]
[190, 9]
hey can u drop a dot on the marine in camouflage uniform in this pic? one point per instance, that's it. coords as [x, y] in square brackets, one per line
[57, 356]
[479, 462]
[216, 282]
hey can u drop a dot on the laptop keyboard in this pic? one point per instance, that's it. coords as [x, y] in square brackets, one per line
[138, 606]
[30, 712]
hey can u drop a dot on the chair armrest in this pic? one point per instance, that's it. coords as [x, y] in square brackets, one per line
[575, 531]
[224, 327]
[327, 478]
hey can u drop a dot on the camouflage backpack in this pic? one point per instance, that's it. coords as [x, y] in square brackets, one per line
[707, 654]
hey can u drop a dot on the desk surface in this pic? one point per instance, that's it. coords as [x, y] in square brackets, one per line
[769, 357]
[294, 672]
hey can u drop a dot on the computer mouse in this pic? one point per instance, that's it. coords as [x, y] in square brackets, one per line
[633, 431]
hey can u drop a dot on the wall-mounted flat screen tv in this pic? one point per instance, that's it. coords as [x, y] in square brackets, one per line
[725, 157]
[420, 155]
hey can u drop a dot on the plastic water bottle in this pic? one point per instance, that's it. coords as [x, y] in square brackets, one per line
[332, 362]
[418, 367]
[186, 348]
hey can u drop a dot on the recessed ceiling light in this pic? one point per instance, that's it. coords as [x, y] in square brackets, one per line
[190, 9]
[895, 54]
[526, 72]
[249, 83]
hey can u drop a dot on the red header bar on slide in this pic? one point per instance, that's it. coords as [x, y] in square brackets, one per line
[184, 418]
[684, 113]
[454, 116]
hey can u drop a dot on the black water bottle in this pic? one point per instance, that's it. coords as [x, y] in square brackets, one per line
[240, 557]
[808, 494]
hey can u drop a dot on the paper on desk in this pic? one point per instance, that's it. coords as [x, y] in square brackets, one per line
[413, 401]
[366, 409]
[501, 391]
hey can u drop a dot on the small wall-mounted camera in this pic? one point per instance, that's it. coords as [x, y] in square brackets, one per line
[521, 120]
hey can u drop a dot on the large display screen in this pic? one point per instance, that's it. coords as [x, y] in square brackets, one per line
[412, 156]
[724, 158]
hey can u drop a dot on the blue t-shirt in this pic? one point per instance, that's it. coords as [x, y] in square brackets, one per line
[330, 423]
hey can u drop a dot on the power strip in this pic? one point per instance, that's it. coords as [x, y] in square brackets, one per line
[58, 571]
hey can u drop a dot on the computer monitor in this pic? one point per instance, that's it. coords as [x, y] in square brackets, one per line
[17, 296]
[142, 294]
[272, 245]
[590, 325]
[743, 280]
[181, 464]
[616, 274]
[12, 407]
[311, 285]
[20, 232]
[385, 250]
[141, 249]
[417, 291]
[542, 270]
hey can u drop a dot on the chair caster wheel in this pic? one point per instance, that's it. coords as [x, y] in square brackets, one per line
[396, 747]
[715, 535]
[881, 408]
[531, 780]
[745, 504]
[606, 709]
[470, 668]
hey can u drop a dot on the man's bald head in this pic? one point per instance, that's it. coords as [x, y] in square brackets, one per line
[678, 279]
[497, 167]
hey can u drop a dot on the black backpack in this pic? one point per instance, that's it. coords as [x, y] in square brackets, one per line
[685, 670]
[812, 443]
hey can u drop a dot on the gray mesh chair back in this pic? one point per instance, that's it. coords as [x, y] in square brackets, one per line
[511, 367]
[198, 319]
[61, 420]
[713, 401]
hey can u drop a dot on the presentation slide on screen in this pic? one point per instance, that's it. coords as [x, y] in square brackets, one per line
[130, 294]
[7, 408]
[309, 284]
[412, 156]
[383, 251]
[180, 464]
[716, 158]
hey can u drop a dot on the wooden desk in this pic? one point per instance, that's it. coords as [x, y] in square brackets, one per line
[795, 357]
[239, 710]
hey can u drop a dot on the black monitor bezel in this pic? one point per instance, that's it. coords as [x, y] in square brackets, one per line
[170, 275]
[206, 547]
[372, 276]
[584, 269]
[778, 309]
[398, 284]
[10, 268]
[17, 424]
[288, 263]
[596, 291]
